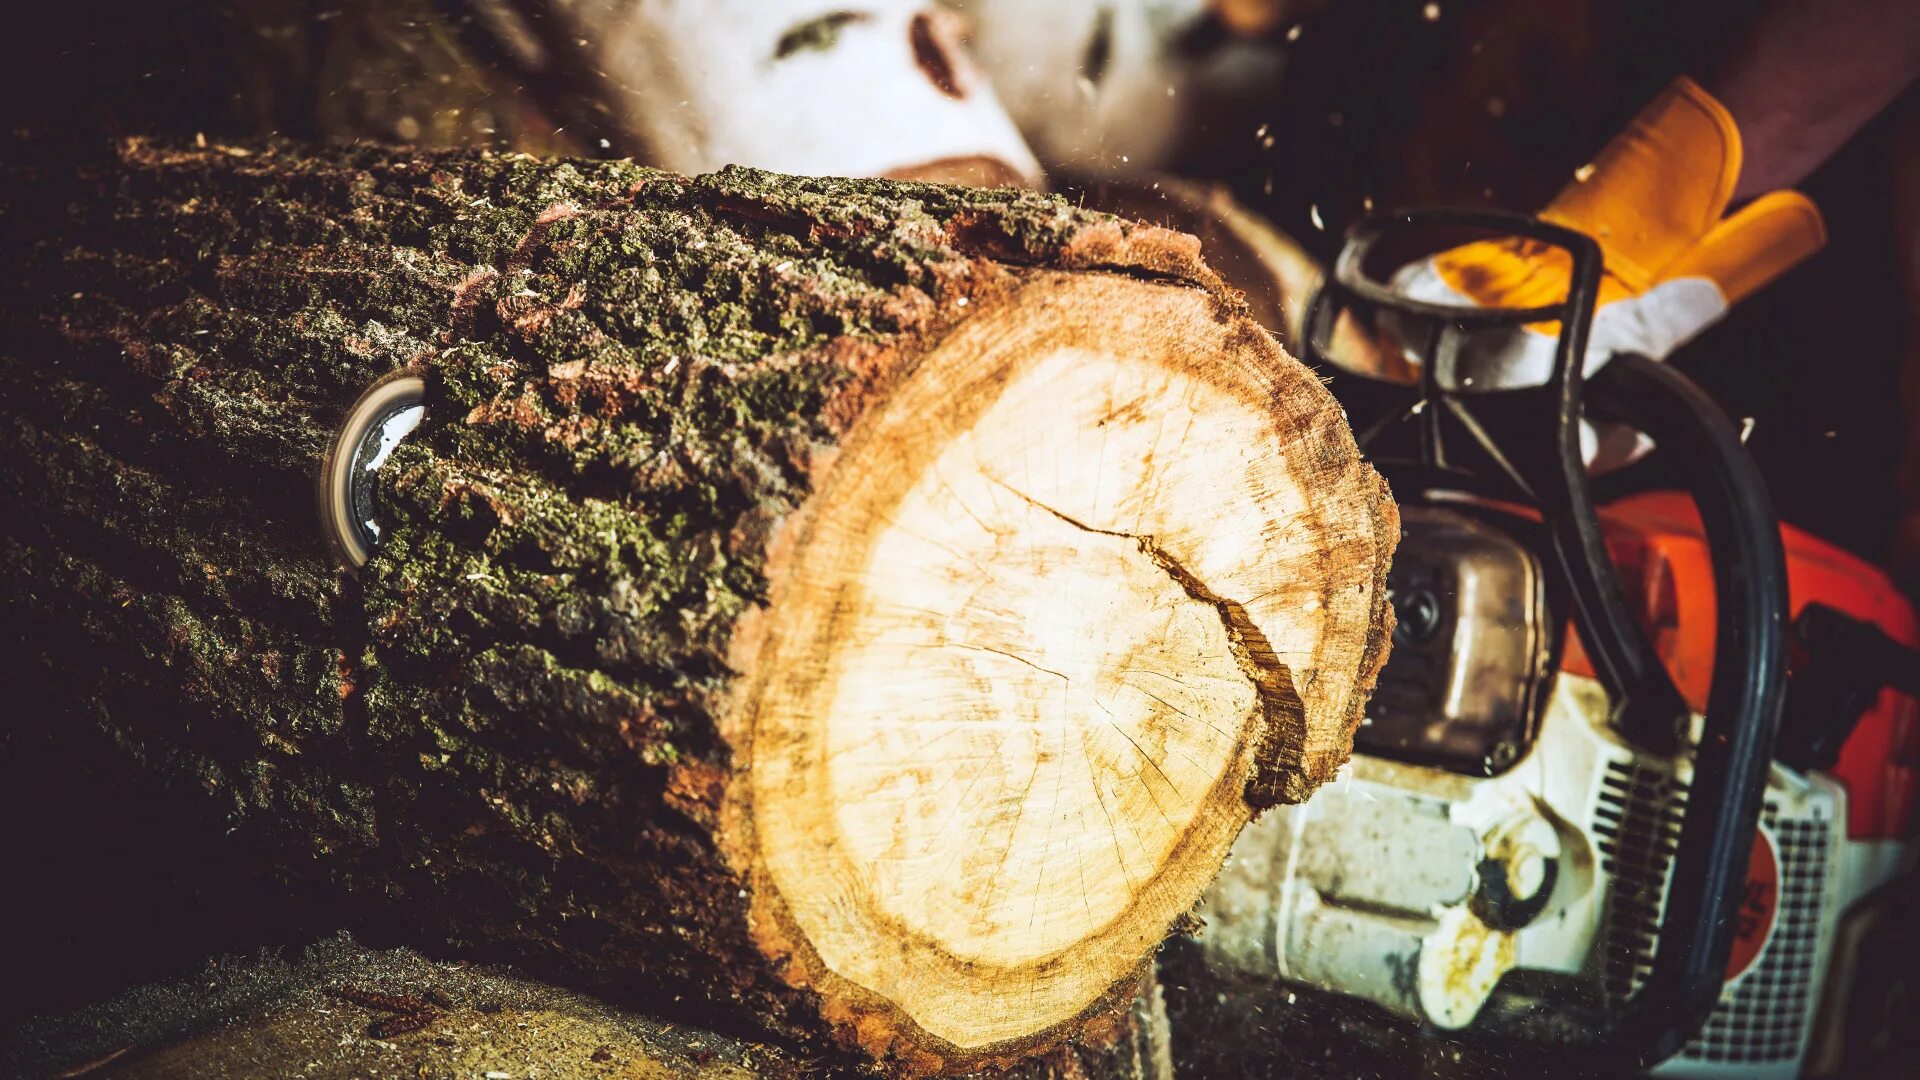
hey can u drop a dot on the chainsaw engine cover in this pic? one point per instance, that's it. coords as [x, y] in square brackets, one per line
[1463, 686]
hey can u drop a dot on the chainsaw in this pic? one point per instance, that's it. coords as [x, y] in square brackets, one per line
[1636, 787]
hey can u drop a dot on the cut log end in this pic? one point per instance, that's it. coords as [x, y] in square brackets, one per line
[1092, 583]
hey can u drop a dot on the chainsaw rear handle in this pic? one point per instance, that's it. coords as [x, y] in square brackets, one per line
[1732, 759]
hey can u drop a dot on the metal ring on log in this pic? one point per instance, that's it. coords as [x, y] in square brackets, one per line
[386, 414]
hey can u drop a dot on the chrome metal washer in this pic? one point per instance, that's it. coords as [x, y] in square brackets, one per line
[384, 416]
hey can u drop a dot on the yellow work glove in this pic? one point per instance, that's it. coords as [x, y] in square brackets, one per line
[1655, 200]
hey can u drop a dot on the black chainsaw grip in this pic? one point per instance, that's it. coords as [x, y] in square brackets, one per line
[1744, 700]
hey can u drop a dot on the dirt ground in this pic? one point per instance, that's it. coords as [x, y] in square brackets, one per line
[342, 1010]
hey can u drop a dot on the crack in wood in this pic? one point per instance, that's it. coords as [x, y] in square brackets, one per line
[1282, 737]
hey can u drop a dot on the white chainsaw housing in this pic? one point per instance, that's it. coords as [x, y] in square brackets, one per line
[1375, 888]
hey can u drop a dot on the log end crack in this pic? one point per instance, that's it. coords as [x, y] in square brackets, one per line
[1280, 742]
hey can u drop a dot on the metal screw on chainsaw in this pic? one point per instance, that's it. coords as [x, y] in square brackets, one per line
[1416, 614]
[1505, 753]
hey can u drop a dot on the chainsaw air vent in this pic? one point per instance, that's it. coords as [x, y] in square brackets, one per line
[1636, 821]
[1764, 1017]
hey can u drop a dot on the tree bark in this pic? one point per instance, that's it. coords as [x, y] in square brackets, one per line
[869, 610]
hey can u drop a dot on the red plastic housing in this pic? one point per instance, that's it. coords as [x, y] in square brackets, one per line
[1657, 542]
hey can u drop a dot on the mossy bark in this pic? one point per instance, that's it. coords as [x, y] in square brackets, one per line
[505, 724]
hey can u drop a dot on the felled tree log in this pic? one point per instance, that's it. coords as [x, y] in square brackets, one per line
[870, 610]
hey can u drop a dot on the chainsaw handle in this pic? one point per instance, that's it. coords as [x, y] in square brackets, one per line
[1744, 700]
